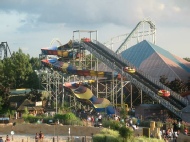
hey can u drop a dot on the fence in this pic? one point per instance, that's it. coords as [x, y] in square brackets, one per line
[21, 138]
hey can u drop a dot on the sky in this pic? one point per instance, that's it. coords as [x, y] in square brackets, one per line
[33, 24]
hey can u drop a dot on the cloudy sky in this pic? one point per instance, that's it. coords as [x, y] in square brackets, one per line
[33, 24]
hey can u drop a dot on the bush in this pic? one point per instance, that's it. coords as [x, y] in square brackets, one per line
[106, 135]
[98, 138]
[106, 131]
[67, 119]
[67, 116]
[112, 124]
[125, 132]
[31, 118]
[145, 139]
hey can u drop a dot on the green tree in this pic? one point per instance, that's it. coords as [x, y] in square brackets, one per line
[4, 94]
[125, 133]
[164, 80]
[33, 81]
[1, 103]
[187, 59]
[22, 68]
[188, 83]
[177, 85]
[1, 71]
[35, 62]
[17, 69]
[8, 73]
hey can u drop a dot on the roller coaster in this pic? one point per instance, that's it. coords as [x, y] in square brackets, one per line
[4, 48]
[175, 103]
[149, 85]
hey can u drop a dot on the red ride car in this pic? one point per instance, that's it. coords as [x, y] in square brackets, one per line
[85, 39]
[164, 93]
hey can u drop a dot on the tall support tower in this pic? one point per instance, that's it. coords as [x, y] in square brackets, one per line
[4, 49]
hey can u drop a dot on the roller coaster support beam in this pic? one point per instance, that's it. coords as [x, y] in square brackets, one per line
[4, 46]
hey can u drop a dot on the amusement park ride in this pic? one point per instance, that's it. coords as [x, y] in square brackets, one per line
[4, 48]
[75, 63]
[72, 74]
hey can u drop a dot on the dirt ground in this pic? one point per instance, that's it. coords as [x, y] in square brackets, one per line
[26, 132]
[63, 130]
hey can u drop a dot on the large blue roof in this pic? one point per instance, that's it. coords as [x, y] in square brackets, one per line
[143, 50]
[148, 56]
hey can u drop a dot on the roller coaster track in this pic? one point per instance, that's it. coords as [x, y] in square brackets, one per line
[4, 48]
[149, 85]
[151, 31]
[55, 40]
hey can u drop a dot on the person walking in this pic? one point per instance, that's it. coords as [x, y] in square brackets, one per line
[36, 137]
[1, 139]
[185, 131]
[7, 138]
[41, 136]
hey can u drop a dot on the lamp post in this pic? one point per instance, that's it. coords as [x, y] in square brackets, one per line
[69, 133]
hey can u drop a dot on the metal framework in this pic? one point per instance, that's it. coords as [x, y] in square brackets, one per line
[110, 89]
[144, 87]
[145, 29]
[105, 88]
[4, 47]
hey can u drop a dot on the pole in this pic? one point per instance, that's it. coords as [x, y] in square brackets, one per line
[69, 133]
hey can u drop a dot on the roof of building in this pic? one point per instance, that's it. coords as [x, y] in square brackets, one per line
[29, 105]
[156, 61]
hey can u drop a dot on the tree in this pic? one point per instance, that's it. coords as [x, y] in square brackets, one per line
[35, 62]
[4, 96]
[22, 68]
[188, 83]
[164, 80]
[1, 71]
[17, 69]
[187, 59]
[177, 85]
[33, 81]
[17, 72]
[4, 84]
[8, 73]
[125, 133]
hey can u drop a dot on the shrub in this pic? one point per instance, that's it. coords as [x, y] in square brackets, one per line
[145, 139]
[125, 132]
[67, 119]
[106, 131]
[112, 124]
[98, 138]
[106, 135]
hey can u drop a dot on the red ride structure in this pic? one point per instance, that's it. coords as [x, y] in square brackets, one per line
[164, 93]
[86, 39]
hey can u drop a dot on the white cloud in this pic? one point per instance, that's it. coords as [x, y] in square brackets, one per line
[161, 6]
[33, 24]
[10, 22]
[176, 9]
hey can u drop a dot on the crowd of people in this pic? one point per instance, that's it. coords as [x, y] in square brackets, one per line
[6, 140]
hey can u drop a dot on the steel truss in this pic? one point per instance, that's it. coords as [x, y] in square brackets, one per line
[4, 47]
[110, 89]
